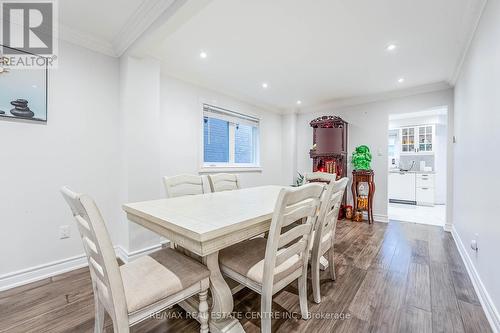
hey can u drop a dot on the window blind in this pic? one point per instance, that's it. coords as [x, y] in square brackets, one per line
[230, 116]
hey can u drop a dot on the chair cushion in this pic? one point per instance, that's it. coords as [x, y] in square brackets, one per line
[247, 258]
[161, 274]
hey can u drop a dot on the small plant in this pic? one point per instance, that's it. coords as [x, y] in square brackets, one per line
[300, 179]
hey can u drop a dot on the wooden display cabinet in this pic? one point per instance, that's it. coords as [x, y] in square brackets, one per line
[329, 151]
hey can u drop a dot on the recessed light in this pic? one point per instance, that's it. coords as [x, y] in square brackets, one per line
[401, 80]
[265, 85]
[299, 102]
[203, 54]
[391, 47]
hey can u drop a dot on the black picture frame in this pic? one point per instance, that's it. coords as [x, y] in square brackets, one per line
[7, 114]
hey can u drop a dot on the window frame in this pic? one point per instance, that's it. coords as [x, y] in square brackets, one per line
[209, 110]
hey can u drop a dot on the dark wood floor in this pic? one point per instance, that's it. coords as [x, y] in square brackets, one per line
[396, 277]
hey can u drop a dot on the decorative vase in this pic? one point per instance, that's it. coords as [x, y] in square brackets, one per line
[348, 212]
[358, 216]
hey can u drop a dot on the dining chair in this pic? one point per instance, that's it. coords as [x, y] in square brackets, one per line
[268, 265]
[184, 184]
[139, 289]
[319, 176]
[224, 182]
[324, 233]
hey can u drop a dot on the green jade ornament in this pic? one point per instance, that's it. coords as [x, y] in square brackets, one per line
[361, 158]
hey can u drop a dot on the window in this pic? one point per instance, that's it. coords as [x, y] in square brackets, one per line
[230, 139]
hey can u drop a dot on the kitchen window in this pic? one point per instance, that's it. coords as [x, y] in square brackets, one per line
[230, 139]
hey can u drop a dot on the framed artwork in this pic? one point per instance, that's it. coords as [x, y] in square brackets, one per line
[23, 91]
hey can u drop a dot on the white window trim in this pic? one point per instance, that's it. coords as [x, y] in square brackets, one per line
[235, 169]
[212, 167]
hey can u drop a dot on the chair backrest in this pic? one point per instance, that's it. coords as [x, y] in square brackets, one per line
[293, 204]
[329, 210]
[181, 185]
[319, 176]
[106, 277]
[224, 182]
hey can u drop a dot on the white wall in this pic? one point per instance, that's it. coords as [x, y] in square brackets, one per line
[289, 147]
[161, 135]
[476, 158]
[140, 141]
[115, 128]
[181, 132]
[77, 147]
[440, 166]
[368, 124]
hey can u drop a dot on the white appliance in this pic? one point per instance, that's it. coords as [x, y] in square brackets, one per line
[402, 187]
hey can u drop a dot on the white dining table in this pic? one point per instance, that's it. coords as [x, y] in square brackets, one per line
[205, 224]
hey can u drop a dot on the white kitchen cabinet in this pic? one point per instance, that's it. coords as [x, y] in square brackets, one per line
[408, 140]
[425, 196]
[425, 180]
[402, 187]
[425, 189]
[417, 139]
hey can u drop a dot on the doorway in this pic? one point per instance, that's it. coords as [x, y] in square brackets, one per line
[417, 166]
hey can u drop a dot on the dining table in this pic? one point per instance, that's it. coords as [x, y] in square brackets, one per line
[204, 224]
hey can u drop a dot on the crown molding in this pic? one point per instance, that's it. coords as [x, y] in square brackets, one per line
[138, 23]
[474, 21]
[135, 26]
[86, 40]
[365, 99]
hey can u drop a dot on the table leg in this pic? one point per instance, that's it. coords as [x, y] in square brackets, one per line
[354, 191]
[372, 193]
[222, 299]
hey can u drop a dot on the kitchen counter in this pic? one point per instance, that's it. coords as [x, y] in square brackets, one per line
[412, 171]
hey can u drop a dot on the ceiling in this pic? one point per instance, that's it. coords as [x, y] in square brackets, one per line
[317, 52]
[101, 19]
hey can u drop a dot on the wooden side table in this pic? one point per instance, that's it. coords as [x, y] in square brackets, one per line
[359, 176]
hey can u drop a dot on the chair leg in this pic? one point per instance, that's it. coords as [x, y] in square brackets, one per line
[315, 280]
[203, 312]
[265, 310]
[331, 263]
[323, 263]
[99, 316]
[303, 296]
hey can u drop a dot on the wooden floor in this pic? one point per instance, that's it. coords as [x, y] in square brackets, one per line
[395, 277]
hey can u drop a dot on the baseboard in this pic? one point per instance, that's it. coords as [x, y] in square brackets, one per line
[126, 256]
[483, 295]
[40, 272]
[121, 253]
[381, 218]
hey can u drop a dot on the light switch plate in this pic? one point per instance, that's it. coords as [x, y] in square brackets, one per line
[64, 232]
